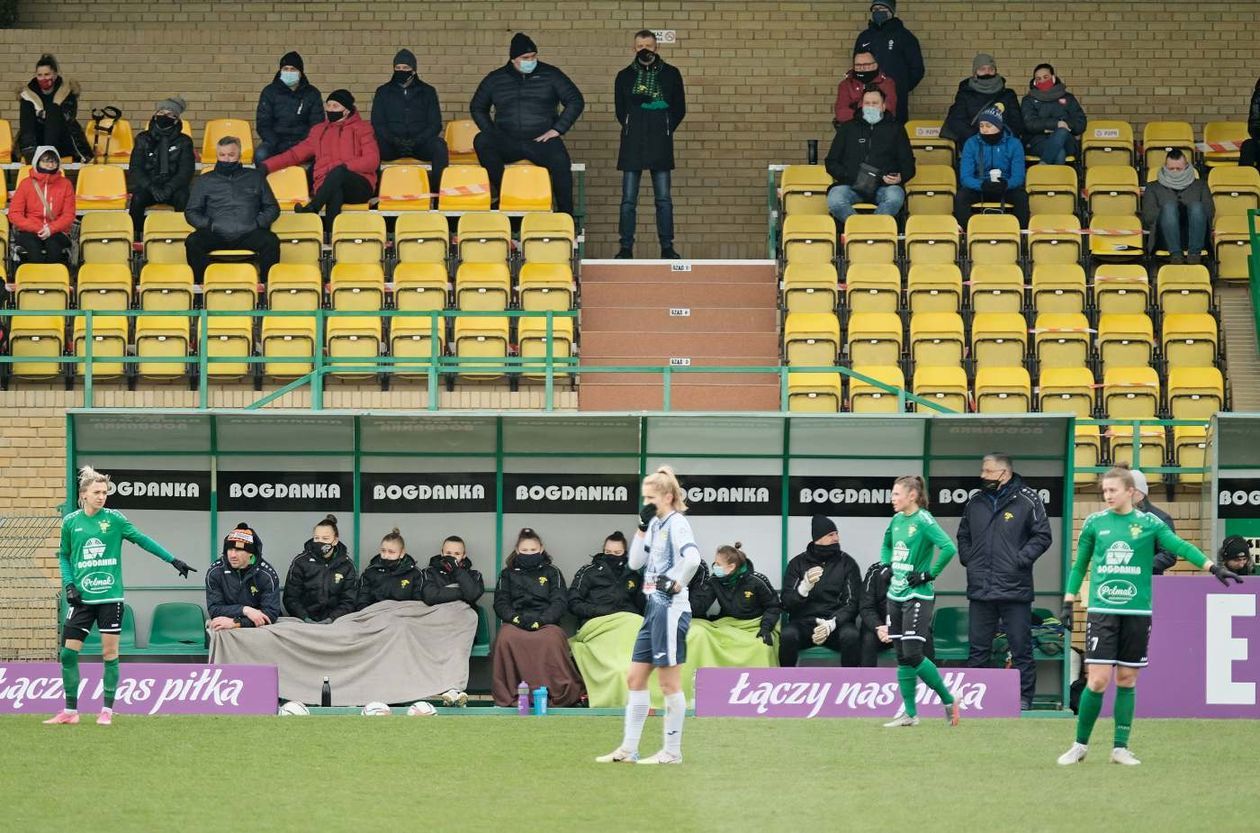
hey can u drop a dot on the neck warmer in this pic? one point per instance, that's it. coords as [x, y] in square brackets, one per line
[987, 86]
[1053, 94]
[1179, 181]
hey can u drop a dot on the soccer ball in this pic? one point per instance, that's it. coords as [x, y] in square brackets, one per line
[376, 710]
[293, 708]
[421, 709]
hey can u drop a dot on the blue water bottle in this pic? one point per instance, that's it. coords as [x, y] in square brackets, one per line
[522, 699]
[540, 701]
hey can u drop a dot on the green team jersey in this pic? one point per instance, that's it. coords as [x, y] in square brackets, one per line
[1119, 551]
[908, 546]
[91, 553]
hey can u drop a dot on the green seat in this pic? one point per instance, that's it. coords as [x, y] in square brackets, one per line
[481, 643]
[178, 628]
[950, 633]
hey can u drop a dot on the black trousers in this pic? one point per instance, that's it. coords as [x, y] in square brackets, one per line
[56, 249]
[872, 648]
[340, 186]
[1017, 619]
[199, 245]
[1015, 198]
[495, 149]
[432, 151]
[142, 199]
[799, 634]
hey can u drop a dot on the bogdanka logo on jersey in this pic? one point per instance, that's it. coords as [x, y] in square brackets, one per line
[93, 549]
[1117, 591]
[1118, 560]
[97, 583]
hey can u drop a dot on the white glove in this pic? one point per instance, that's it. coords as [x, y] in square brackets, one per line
[823, 630]
[829, 624]
[804, 587]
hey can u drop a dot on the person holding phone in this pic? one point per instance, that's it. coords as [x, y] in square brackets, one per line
[870, 159]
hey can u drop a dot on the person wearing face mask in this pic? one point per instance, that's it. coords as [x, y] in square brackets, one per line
[524, 94]
[607, 598]
[992, 170]
[982, 92]
[607, 585]
[392, 575]
[1003, 531]
[1247, 154]
[1176, 193]
[870, 159]
[231, 207]
[161, 168]
[1235, 556]
[821, 593]
[896, 50]
[531, 647]
[1052, 116]
[288, 108]
[864, 74]
[42, 211]
[322, 585]
[748, 612]
[48, 106]
[450, 576]
[242, 589]
[407, 118]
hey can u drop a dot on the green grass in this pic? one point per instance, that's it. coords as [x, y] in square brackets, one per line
[536, 774]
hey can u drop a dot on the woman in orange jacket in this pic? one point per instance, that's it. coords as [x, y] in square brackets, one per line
[42, 211]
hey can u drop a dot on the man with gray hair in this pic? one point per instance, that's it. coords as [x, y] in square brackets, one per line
[1004, 530]
[231, 207]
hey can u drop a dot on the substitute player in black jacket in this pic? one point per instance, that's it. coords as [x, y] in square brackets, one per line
[242, 590]
[741, 592]
[450, 576]
[873, 618]
[392, 576]
[821, 593]
[322, 584]
[607, 585]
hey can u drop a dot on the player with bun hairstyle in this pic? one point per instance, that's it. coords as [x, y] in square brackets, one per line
[392, 574]
[741, 592]
[322, 585]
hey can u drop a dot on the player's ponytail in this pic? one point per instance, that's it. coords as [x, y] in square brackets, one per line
[665, 481]
[913, 482]
[89, 477]
[733, 554]
[330, 521]
[395, 537]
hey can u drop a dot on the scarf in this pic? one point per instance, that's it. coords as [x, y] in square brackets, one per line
[1179, 181]
[989, 86]
[647, 83]
[1053, 94]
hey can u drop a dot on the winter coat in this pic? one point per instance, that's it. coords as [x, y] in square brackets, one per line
[897, 52]
[963, 119]
[525, 105]
[1000, 538]
[403, 115]
[27, 211]
[529, 598]
[1163, 558]
[348, 142]
[849, 95]
[446, 583]
[837, 594]
[1157, 195]
[873, 611]
[883, 145]
[38, 111]
[1253, 113]
[145, 172]
[229, 590]
[745, 594]
[979, 157]
[321, 588]
[1041, 112]
[647, 136]
[606, 585]
[285, 116]
[394, 581]
[232, 203]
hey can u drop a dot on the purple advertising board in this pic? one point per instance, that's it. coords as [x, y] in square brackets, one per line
[847, 692]
[143, 688]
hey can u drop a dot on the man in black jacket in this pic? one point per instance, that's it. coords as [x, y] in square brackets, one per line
[870, 158]
[161, 168]
[1247, 154]
[288, 108]
[1141, 500]
[450, 576]
[821, 593]
[984, 89]
[407, 119]
[524, 94]
[231, 207]
[322, 585]
[1003, 531]
[242, 590]
[896, 49]
[650, 104]
[607, 585]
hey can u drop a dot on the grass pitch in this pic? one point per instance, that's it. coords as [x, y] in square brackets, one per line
[470, 773]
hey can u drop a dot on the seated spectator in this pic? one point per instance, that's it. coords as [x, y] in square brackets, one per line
[161, 168]
[607, 598]
[821, 593]
[288, 108]
[450, 576]
[870, 158]
[231, 207]
[607, 585]
[1177, 193]
[992, 170]
[1235, 555]
[983, 91]
[42, 211]
[242, 590]
[322, 585]
[531, 647]
[346, 159]
[1052, 117]
[48, 106]
[525, 124]
[391, 576]
[407, 119]
[742, 593]
[864, 74]
[1247, 155]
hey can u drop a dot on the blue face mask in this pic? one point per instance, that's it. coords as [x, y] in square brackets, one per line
[718, 570]
[529, 66]
[289, 78]
[872, 115]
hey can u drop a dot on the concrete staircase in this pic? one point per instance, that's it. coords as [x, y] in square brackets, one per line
[1238, 334]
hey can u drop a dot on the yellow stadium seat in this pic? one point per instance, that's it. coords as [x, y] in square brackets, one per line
[216, 129]
[106, 238]
[531, 339]
[1218, 132]
[472, 182]
[1234, 189]
[932, 190]
[161, 336]
[999, 339]
[997, 287]
[100, 187]
[358, 237]
[993, 238]
[1088, 453]
[937, 339]
[353, 340]
[812, 338]
[104, 286]
[804, 189]
[945, 386]
[926, 143]
[23, 173]
[422, 237]
[872, 287]
[295, 286]
[1051, 189]
[934, 288]
[1189, 340]
[229, 337]
[1195, 392]
[301, 237]
[1068, 390]
[36, 337]
[411, 338]
[357, 286]
[288, 344]
[1058, 288]
[1061, 339]
[484, 237]
[289, 186]
[230, 286]
[484, 338]
[1112, 189]
[874, 339]
[809, 238]
[1159, 137]
[811, 287]
[870, 238]
[6, 143]
[1231, 238]
[4, 238]
[1115, 237]
[525, 188]
[1108, 142]
[1003, 390]
[42, 286]
[166, 286]
[1153, 452]
[548, 237]
[1125, 340]
[164, 234]
[459, 141]
[814, 393]
[420, 286]
[483, 286]
[1184, 288]
[865, 398]
[1190, 451]
[109, 343]
[546, 286]
[932, 238]
[1121, 287]
[404, 188]
[1054, 238]
[1131, 392]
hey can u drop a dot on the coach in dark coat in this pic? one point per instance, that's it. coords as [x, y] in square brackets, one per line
[407, 118]
[896, 49]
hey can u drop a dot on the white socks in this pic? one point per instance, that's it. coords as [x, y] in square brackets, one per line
[636, 715]
[675, 711]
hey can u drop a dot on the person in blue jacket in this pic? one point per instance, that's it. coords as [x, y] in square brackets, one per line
[992, 170]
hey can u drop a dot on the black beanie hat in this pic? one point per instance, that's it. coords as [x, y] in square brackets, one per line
[406, 56]
[891, 4]
[292, 59]
[1234, 546]
[342, 97]
[248, 538]
[522, 44]
[821, 525]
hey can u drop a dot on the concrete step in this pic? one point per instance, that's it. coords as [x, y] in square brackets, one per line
[1238, 334]
[648, 348]
[701, 271]
[617, 296]
[640, 320]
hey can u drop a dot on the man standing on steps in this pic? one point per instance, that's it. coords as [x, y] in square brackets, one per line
[650, 104]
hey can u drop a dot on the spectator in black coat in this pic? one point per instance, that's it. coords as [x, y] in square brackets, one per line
[983, 90]
[322, 585]
[1247, 155]
[231, 207]
[407, 119]
[242, 590]
[525, 94]
[741, 592]
[48, 106]
[288, 108]
[162, 163]
[450, 576]
[391, 576]
[1142, 501]
[1235, 556]
[1052, 116]
[896, 49]
[876, 140]
[822, 590]
[607, 585]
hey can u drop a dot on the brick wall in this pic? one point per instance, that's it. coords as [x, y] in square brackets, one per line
[761, 75]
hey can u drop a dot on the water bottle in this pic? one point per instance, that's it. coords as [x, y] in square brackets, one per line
[811, 151]
[540, 701]
[522, 698]
[325, 694]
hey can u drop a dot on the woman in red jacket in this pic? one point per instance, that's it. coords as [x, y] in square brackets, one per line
[346, 158]
[42, 211]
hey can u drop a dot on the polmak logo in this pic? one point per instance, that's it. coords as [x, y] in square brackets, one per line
[1117, 591]
[97, 582]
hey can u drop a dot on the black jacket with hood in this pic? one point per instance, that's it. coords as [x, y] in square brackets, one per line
[161, 162]
[232, 203]
[745, 594]
[50, 118]
[285, 116]
[1000, 538]
[837, 594]
[531, 598]
[897, 51]
[963, 119]
[393, 581]
[1042, 110]
[229, 590]
[525, 104]
[406, 115]
[321, 586]
[647, 135]
[1163, 558]
[873, 611]
[606, 585]
[447, 580]
[883, 145]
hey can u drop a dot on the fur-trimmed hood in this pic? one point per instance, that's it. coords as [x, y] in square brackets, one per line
[63, 88]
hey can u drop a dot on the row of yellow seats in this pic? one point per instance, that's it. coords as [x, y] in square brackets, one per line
[1114, 444]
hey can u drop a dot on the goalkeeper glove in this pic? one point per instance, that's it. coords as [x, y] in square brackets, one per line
[922, 577]
[182, 568]
[72, 596]
[666, 585]
[646, 513]
[1224, 574]
[1065, 616]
